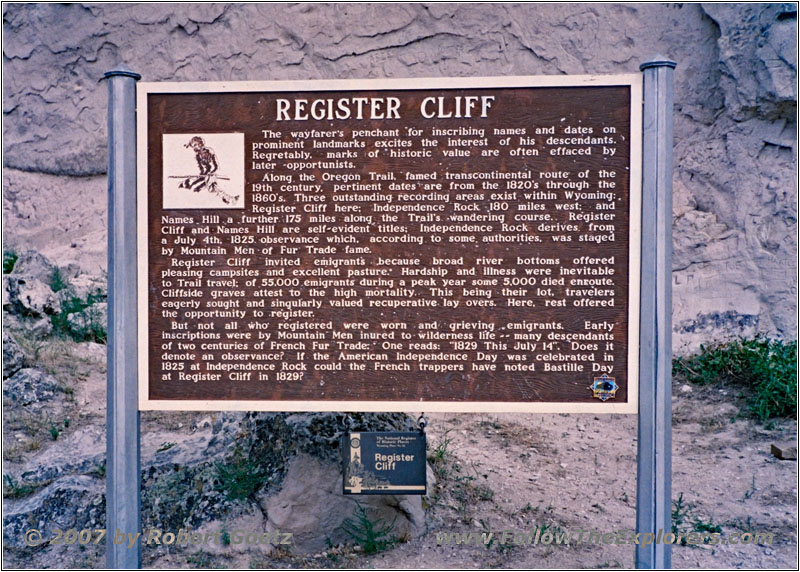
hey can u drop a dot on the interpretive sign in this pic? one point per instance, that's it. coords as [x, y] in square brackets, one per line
[453, 244]
[384, 462]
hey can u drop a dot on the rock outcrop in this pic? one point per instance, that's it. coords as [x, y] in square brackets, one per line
[308, 486]
[269, 471]
[31, 389]
[735, 103]
[13, 356]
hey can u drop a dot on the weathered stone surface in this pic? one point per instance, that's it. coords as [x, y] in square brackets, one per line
[27, 290]
[233, 461]
[34, 265]
[6, 292]
[90, 319]
[40, 328]
[735, 100]
[93, 352]
[311, 506]
[13, 356]
[759, 69]
[72, 502]
[30, 297]
[735, 221]
[86, 287]
[64, 218]
[284, 463]
[80, 452]
[30, 388]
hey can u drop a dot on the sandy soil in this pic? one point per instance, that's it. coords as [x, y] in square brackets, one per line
[517, 472]
[570, 472]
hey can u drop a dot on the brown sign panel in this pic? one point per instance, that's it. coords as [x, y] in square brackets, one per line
[449, 244]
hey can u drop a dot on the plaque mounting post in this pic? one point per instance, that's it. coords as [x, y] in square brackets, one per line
[122, 407]
[654, 480]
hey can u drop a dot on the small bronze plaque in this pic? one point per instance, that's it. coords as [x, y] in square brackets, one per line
[383, 463]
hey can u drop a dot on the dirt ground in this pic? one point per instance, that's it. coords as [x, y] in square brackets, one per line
[518, 472]
[579, 472]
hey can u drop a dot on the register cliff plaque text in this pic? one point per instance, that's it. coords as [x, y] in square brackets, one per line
[424, 244]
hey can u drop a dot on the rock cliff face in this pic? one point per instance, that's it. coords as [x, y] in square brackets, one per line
[735, 103]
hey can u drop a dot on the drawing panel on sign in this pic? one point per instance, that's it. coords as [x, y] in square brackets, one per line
[203, 171]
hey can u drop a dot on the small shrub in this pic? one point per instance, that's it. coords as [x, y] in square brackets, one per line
[200, 559]
[707, 526]
[99, 470]
[767, 367]
[240, 477]
[372, 536]
[751, 490]
[55, 430]
[57, 281]
[484, 493]
[9, 260]
[165, 446]
[684, 520]
[680, 513]
[92, 330]
[459, 482]
[14, 490]
[440, 457]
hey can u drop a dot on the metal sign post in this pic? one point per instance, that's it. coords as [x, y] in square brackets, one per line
[654, 482]
[123, 514]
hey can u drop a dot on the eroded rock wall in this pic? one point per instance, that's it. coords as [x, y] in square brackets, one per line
[735, 219]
